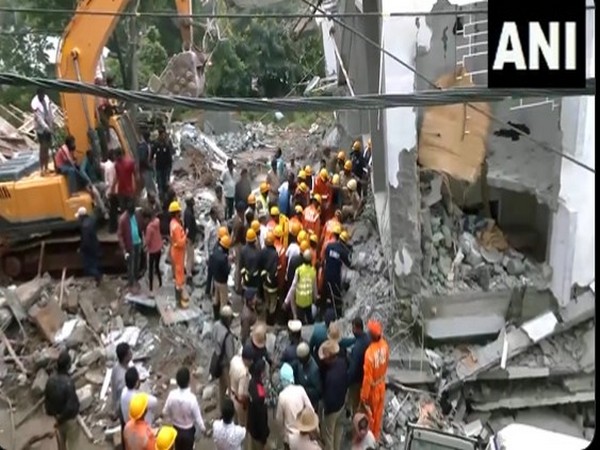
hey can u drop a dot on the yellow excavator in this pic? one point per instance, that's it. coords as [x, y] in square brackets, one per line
[38, 227]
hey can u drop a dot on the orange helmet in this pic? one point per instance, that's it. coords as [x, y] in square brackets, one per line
[348, 165]
[255, 225]
[304, 245]
[323, 174]
[250, 235]
[225, 242]
[222, 231]
[341, 155]
[251, 199]
[269, 238]
[295, 228]
[264, 187]
[278, 231]
[302, 236]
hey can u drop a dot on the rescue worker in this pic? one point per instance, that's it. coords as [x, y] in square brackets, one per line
[269, 263]
[219, 268]
[223, 349]
[331, 226]
[358, 166]
[323, 189]
[262, 199]
[297, 216]
[273, 219]
[251, 202]
[138, 435]
[238, 237]
[309, 177]
[345, 238]
[178, 246]
[293, 248]
[255, 226]
[249, 261]
[279, 219]
[165, 438]
[301, 195]
[301, 176]
[221, 232]
[295, 261]
[314, 247]
[336, 254]
[355, 203]
[303, 290]
[311, 220]
[191, 232]
[372, 392]
[282, 264]
[337, 197]
[341, 159]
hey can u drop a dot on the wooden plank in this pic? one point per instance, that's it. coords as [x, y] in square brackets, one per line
[90, 314]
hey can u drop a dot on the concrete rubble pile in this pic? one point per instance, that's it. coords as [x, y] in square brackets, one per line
[183, 76]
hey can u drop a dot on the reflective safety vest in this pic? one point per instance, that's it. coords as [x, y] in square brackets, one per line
[262, 204]
[304, 287]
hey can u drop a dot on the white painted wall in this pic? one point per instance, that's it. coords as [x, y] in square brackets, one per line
[328, 46]
[572, 244]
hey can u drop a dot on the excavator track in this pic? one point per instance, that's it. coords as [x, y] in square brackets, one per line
[57, 251]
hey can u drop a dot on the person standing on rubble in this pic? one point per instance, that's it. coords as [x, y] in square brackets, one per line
[354, 203]
[335, 387]
[301, 194]
[295, 337]
[89, 247]
[178, 239]
[220, 203]
[356, 363]
[249, 262]
[358, 166]
[312, 215]
[144, 153]
[336, 256]
[130, 237]
[249, 314]
[274, 182]
[307, 374]
[62, 403]
[137, 434]
[125, 183]
[219, 267]
[183, 412]
[226, 434]
[238, 384]
[262, 199]
[117, 381]
[191, 231]
[258, 421]
[228, 180]
[162, 155]
[223, 349]
[303, 291]
[44, 126]
[132, 387]
[210, 232]
[372, 392]
[269, 265]
[243, 187]
[238, 238]
[154, 243]
[285, 191]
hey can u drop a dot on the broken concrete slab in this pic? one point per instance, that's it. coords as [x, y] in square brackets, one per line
[86, 396]
[27, 293]
[39, 382]
[169, 312]
[48, 317]
[463, 328]
[398, 377]
[581, 383]
[91, 316]
[588, 358]
[72, 301]
[140, 299]
[527, 398]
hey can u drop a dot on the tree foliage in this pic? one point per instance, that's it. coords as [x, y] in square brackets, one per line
[260, 58]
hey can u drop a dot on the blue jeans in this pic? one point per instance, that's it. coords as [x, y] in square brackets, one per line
[75, 179]
[133, 265]
[162, 179]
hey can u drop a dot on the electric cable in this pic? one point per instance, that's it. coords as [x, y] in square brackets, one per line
[504, 123]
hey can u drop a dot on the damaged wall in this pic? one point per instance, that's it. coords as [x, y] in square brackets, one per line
[573, 238]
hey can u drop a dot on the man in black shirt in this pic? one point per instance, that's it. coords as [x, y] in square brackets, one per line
[61, 402]
[162, 155]
[191, 229]
[145, 163]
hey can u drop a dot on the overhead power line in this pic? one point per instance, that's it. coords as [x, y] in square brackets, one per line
[543, 145]
[173, 14]
[363, 102]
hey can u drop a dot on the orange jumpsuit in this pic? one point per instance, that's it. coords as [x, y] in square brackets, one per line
[295, 219]
[324, 190]
[328, 234]
[178, 244]
[312, 220]
[372, 392]
[271, 224]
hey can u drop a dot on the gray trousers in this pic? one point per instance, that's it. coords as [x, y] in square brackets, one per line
[133, 265]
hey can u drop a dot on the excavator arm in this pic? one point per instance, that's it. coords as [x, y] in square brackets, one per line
[80, 50]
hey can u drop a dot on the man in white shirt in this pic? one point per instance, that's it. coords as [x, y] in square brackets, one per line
[183, 411]
[228, 180]
[210, 232]
[110, 174]
[226, 434]
[292, 400]
[41, 107]
[132, 387]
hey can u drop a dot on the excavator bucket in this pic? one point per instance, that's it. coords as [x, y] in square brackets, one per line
[183, 75]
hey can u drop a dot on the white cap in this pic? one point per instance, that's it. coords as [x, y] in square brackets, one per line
[302, 350]
[226, 311]
[294, 326]
[81, 212]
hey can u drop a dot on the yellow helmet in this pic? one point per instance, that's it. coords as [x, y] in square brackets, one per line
[255, 225]
[274, 211]
[250, 235]
[352, 185]
[165, 438]
[314, 238]
[308, 170]
[222, 231]
[278, 231]
[264, 187]
[302, 175]
[341, 155]
[251, 199]
[317, 198]
[337, 229]
[348, 165]
[302, 236]
[304, 245]
[345, 236]
[303, 187]
[174, 207]
[225, 242]
[295, 228]
[269, 238]
[298, 209]
[323, 174]
[356, 145]
[335, 180]
[138, 405]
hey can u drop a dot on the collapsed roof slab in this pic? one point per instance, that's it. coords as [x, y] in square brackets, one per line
[520, 339]
[519, 399]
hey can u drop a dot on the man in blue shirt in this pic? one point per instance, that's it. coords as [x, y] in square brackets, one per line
[356, 363]
[336, 254]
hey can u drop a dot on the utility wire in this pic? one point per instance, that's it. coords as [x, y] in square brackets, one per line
[324, 103]
[173, 14]
[504, 123]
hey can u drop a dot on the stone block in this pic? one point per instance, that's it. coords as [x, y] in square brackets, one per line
[48, 317]
[39, 382]
[86, 396]
[72, 303]
[90, 357]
